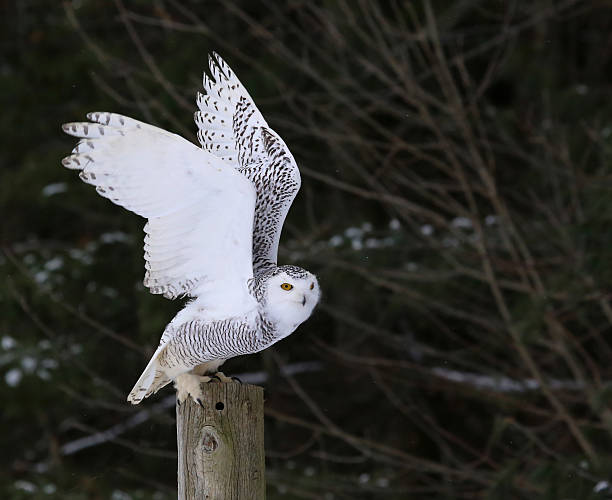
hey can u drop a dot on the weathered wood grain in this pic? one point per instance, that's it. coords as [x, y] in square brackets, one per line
[221, 446]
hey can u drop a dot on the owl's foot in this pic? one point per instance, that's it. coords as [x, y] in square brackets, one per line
[222, 377]
[188, 385]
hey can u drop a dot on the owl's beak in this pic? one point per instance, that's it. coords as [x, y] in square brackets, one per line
[303, 300]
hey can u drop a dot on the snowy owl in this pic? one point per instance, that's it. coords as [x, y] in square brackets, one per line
[215, 216]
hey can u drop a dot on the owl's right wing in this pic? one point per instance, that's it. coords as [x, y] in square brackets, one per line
[200, 215]
[232, 128]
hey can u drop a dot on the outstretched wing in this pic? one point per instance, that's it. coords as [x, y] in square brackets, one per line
[200, 214]
[232, 128]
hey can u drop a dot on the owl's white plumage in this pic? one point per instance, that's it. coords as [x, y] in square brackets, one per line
[215, 216]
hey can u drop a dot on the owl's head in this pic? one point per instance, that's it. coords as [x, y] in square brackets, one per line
[290, 297]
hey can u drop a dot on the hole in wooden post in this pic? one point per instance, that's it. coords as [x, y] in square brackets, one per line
[219, 406]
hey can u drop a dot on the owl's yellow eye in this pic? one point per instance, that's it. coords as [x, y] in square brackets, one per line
[311, 286]
[286, 286]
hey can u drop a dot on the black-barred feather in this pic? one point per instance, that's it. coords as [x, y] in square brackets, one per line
[252, 147]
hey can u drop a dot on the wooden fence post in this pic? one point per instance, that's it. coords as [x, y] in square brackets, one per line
[221, 446]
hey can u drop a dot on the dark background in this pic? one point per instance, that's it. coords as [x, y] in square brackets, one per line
[455, 205]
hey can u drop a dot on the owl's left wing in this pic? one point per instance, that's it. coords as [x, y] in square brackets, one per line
[232, 128]
[200, 214]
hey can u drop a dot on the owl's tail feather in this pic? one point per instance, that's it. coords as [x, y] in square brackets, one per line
[151, 381]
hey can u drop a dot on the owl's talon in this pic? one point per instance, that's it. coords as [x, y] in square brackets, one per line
[236, 379]
[188, 386]
[222, 377]
[214, 377]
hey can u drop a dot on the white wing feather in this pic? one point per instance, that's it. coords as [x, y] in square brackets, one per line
[200, 215]
[217, 113]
